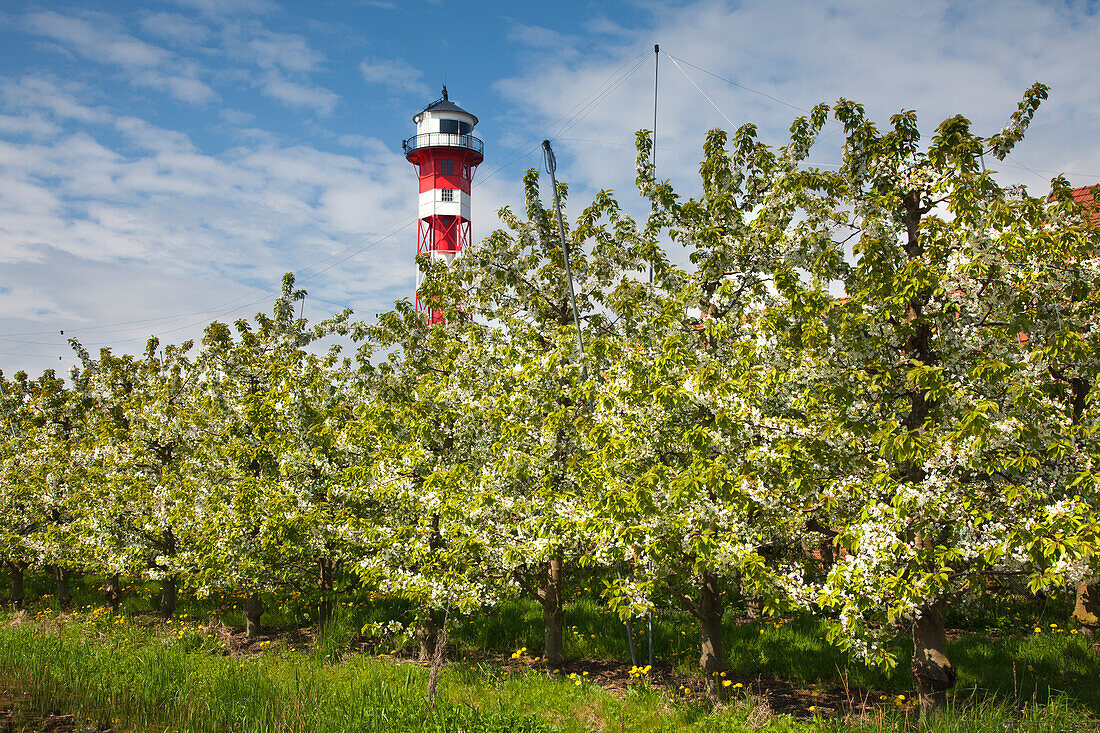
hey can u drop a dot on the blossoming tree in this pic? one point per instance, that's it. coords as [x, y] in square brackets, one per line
[938, 404]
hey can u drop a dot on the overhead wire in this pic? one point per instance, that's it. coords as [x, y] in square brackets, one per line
[596, 101]
[1018, 164]
[1029, 170]
[524, 150]
[737, 84]
[1056, 173]
[698, 89]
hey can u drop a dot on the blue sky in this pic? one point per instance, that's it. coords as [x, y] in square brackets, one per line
[162, 163]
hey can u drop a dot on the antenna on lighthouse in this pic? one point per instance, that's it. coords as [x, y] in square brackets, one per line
[445, 154]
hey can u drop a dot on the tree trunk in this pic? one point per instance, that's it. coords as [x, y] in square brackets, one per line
[932, 670]
[1086, 612]
[169, 588]
[324, 583]
[253, 609]
[427, 634]
[437, 662]
[64, 594]
[169, 594]
[551, 587]
[712, 659]
[112, 593]
[17, 593]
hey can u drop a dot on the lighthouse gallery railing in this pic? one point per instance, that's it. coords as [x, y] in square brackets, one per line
[443, 140]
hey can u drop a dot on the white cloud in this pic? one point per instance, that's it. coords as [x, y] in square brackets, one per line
[223, 8]
[102, 44]
[543, 39]
[58, 99]
[147, 65]
[105, 220]
[939, 58]
[175, 27]
[185, 88]
[236, 116]
[321, 100]
[152, 227]
[34, 125]
[283, 50]
[282, 65]
[395, 74]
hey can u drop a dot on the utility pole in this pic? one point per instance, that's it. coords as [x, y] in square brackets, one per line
[653, 160]
[551, 168]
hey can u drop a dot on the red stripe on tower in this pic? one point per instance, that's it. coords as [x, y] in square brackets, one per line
[445, 154]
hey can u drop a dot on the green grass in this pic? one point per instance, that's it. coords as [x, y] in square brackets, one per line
[145, 678]
[178, 676]
[109, 669]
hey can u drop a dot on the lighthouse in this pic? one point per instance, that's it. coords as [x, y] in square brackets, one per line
[444, 153]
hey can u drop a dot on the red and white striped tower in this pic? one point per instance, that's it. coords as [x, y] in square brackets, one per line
[445, 154]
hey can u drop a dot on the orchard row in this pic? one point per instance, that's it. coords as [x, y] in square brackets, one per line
[870, 395]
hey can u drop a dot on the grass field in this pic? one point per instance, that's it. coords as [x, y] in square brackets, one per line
[131, 672]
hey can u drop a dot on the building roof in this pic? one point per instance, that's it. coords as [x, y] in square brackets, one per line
[1084, 197]
[443, 104]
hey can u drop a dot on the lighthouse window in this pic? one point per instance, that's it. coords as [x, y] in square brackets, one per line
[447, 194]
[455, 127]
[447, 167]
[466, 171]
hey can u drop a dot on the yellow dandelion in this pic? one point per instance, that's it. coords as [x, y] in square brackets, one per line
[738, 686]
[726, 683]
[813, 708]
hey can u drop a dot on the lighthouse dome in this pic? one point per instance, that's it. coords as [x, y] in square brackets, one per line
[443, 115]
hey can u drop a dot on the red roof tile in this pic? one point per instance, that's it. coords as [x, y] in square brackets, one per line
[1083, 195]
